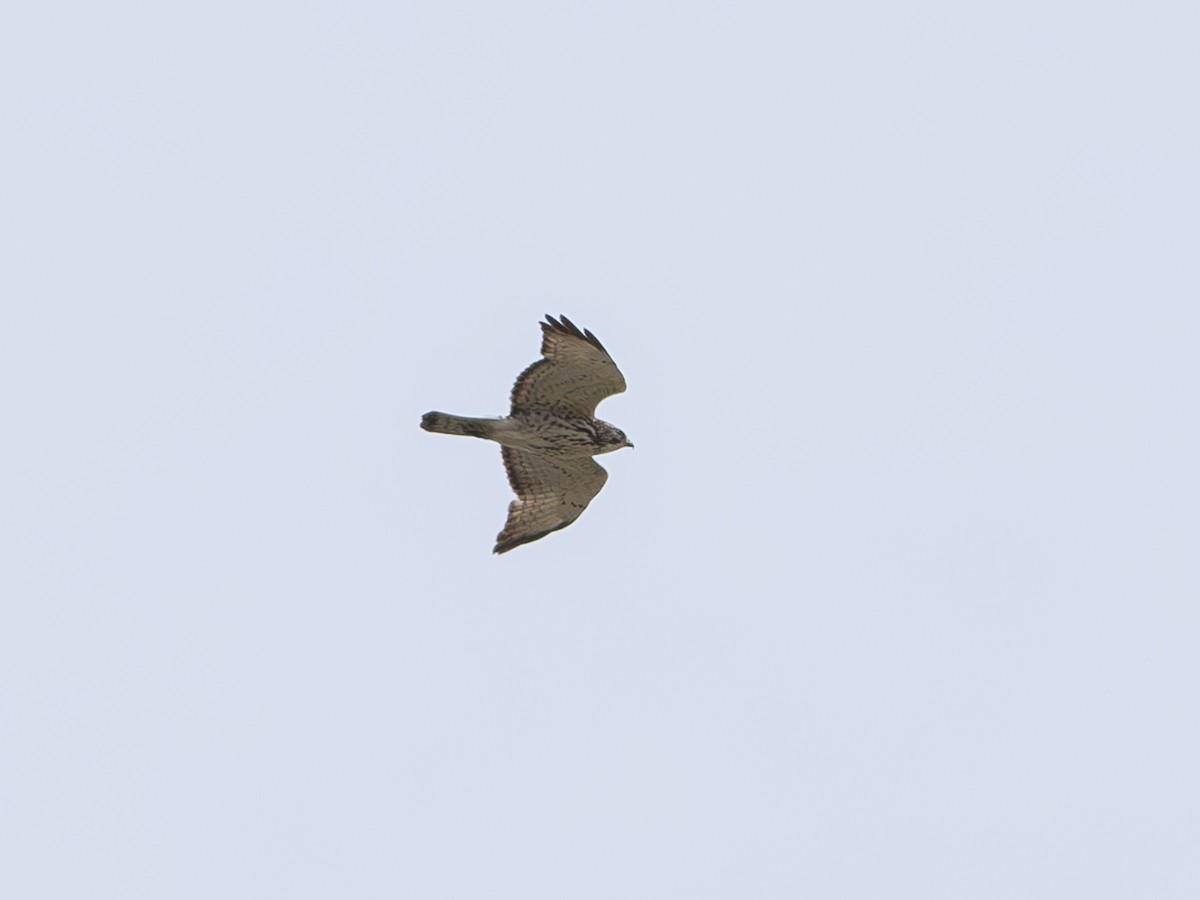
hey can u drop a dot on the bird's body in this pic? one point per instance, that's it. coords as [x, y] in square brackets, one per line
[551, 433]
[535, 430]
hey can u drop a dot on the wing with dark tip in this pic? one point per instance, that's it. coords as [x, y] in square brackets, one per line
[573, 376]
[552, 492]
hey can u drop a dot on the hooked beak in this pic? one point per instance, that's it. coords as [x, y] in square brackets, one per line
[628, 443]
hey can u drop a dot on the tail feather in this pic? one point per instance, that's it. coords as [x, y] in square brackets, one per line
[444, 423]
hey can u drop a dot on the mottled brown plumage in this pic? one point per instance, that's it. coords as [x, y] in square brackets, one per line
[551, 432]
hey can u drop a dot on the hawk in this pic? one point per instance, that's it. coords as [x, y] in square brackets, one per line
[550, 435]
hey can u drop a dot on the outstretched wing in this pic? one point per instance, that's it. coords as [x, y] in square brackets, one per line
[575, 374]
[551, 492]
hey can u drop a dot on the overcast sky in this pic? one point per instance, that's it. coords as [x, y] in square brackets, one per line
[897, 596]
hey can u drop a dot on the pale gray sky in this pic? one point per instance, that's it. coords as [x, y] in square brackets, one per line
[896, 597]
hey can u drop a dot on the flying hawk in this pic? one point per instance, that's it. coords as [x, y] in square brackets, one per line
[551, 434]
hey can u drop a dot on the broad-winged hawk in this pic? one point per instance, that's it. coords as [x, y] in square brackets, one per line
[550, 435]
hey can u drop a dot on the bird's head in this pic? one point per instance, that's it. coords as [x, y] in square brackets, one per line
[611, 437]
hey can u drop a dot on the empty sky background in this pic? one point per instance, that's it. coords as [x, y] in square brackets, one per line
[897, 596]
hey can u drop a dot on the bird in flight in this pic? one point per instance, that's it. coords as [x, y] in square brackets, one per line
[550, 435]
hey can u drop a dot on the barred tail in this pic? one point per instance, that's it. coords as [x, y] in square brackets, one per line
[444, 423]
